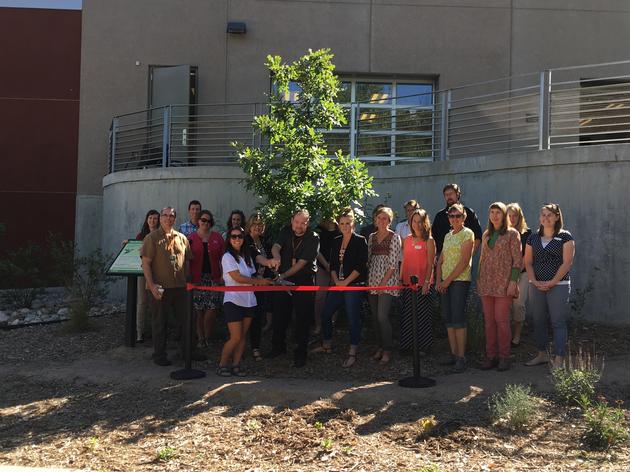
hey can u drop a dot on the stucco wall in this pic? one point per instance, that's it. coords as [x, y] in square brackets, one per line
[455, 41]
[589, 183]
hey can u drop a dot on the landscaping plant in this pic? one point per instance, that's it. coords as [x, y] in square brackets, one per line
[575, 383]
[296, 169]
[605, 426]
[513, 408]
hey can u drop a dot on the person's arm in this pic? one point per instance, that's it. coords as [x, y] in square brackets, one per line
[242, 279]
[464, 261]
[568, 252]
[323, 262]
[295, 268]
[275, 251]
[394, 258]
[517, 263]
[148, 276]
[402, 263]
[529, 266]
[438, 273]
[426, 283]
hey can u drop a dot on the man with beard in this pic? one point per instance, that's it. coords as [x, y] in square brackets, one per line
[295, 252]
[440, 228]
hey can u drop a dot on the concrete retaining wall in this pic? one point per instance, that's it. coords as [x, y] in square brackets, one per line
[590, 184]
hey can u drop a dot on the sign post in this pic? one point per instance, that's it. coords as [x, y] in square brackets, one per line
[129, 264]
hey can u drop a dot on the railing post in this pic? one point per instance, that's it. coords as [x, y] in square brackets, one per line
[544, 110]
[166, 134]
[446, 105]
[358, 127]
[112, 148]
[353, 123]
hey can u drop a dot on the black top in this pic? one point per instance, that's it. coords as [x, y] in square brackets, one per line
[441, 226]
[367, 230]
[205, 268]
[524, 237]
[547, 260]
[354, 258]
[294, 248]
[255, 251]
[325, 241]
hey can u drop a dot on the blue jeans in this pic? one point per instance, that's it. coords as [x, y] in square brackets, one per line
[454, 304]
[553, 304]
[334, 300]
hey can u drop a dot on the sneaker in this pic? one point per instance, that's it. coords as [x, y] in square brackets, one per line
[460, 365]
[504, 364]
[162, 361]
[490, 364]
[449, 360]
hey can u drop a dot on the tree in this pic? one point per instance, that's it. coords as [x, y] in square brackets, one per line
[294, 170]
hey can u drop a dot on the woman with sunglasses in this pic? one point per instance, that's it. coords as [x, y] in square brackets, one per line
[548, 258]
[238, 307]
[453, 274]
[151, 223]
[205, 269]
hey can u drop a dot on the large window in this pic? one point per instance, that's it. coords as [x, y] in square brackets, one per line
[386, 120]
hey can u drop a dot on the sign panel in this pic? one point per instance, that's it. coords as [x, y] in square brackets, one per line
[128, 261]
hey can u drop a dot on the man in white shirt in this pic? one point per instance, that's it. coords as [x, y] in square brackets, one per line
[402, 229]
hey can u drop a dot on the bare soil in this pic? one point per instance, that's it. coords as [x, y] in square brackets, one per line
[83, 401]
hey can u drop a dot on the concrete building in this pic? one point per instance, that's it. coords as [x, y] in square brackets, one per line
[399, 47]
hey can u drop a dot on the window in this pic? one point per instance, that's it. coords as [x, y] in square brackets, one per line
[386, 120]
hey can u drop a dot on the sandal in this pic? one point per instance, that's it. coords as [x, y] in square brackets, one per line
[385, 358]
[223, 371]
[323, 349]
[257, 355]
[377, 355]
[237, 372]
[352, 358]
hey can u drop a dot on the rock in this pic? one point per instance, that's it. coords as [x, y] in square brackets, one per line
[3, 317]
[14, 322]
[63, 311]
[24, 311]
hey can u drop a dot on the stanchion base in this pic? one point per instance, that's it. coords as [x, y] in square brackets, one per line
[187, 374]
[416, 382]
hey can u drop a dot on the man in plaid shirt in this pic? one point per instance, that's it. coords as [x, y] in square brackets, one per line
[194, 210]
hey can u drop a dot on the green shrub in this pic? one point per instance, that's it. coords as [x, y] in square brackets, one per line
[430, 468]
[575, 383]
[605, 426]
[165, 454]
[513, 408]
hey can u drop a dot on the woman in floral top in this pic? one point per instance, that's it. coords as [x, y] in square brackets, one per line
[384, 254]
[500, 266]
[453, 281]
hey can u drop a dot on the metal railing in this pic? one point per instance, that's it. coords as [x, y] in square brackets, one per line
[571, 106]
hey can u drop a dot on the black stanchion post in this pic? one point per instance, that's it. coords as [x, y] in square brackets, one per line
[130, 315]
[188, 373]
[417, 381]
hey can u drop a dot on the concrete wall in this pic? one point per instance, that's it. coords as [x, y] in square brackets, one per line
[453, 41]
[589, 183]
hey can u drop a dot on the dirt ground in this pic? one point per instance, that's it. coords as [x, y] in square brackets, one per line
[83, 401]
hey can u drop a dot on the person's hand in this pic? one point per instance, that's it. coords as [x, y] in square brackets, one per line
[512, 290]
[155, 292]
[263, 282]
[425, 288]
[274, 264]
[445, 285]
[341, 283]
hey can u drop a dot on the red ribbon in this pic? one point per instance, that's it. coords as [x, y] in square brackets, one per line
[297, 288]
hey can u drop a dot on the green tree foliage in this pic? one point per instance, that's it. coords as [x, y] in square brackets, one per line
[294, 169]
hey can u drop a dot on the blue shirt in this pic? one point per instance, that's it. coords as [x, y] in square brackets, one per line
[188, 228]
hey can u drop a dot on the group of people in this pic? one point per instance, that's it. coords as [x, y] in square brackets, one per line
[418, 259]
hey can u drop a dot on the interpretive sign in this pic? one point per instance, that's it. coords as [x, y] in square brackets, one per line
[128, 261]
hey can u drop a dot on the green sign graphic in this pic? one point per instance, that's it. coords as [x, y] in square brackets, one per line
[128, 261]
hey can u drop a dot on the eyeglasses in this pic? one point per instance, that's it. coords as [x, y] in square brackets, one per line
[204, 220]
[168, 216]
[455, 215]
[236, 236]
